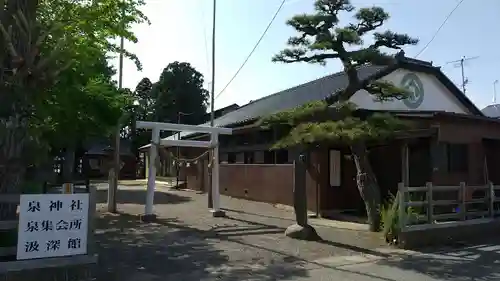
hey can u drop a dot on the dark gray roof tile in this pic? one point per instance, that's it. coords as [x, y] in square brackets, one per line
[311, 91]
[492, 110]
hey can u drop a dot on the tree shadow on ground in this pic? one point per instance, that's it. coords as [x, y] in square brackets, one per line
[479, 262]
[137, 196]
[274, 229]
[170, 250]
[255, 214]
[285, 257]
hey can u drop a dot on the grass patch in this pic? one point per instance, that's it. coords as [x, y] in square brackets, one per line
[390, 219]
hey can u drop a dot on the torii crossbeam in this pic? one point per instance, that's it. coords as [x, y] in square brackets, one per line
[156, 127]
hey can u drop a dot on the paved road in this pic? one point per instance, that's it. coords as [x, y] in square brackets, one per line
[187, 244]
[480, 262]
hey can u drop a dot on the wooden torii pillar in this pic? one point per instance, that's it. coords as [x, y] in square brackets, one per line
[156, 127]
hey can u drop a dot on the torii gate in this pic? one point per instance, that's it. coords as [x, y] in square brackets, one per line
[156, 127]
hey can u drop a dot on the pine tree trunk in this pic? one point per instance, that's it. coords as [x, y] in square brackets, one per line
[367, 185]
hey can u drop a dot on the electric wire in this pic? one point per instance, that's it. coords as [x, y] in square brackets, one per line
[439, 29]
[254, 48]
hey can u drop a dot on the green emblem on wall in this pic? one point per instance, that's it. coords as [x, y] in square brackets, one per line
[412, 83]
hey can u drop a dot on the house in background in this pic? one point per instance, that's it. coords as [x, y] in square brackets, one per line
[451, 142]
[167, 166]
[492, 111]
[97, 159]
[221, 111]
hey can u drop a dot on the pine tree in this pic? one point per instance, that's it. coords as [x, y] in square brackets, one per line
[321, 38]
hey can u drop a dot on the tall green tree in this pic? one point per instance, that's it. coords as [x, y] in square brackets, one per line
[180, 91]
[83, 104]
[54, 70]
[85, 94]
[25, 73]
[320, 38]
[143, 111]
[143, 95]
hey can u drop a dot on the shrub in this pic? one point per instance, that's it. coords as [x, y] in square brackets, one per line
[390, 219]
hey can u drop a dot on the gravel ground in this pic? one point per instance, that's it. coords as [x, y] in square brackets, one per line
[187, 241]
[188, 244]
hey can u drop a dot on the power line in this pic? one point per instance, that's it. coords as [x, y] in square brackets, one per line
[440, 27]
[254, 48]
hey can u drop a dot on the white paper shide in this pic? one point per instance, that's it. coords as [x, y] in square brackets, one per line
[52, 225]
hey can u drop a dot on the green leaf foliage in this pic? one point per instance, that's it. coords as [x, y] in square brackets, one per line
[180, 89]
[294, 115]
[143, 96]
[378, 126]
[321, 37]
[93, 25]
[384, 91]
[389, 218]
[308, 111]
[55, 81]
[84, 102]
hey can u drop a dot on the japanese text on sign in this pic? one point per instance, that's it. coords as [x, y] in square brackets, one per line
[52, 225]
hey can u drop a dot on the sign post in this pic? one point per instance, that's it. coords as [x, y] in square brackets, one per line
[67, 188]
[52, 225]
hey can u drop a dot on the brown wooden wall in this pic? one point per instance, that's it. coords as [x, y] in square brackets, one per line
[273, 183]
[265, 183]
[317, 179]
[471, 132]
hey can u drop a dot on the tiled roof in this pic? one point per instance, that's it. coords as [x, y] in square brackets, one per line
[222, 111]
[492, 110]
[326, 86]
[100, 147]
[290, 98]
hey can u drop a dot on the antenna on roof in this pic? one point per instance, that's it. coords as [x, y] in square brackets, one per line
[495, 91]
[461, 63]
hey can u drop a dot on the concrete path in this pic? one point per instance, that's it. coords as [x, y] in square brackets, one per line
[188, 244]
[480, 262]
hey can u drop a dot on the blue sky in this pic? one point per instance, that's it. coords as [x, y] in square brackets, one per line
[181, 30]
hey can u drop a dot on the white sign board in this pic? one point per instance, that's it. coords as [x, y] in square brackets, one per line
[52, 225]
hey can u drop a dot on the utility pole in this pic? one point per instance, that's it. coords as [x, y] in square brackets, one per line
[461, 63]
[212, 101]
[495, 91]
[115, 170]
